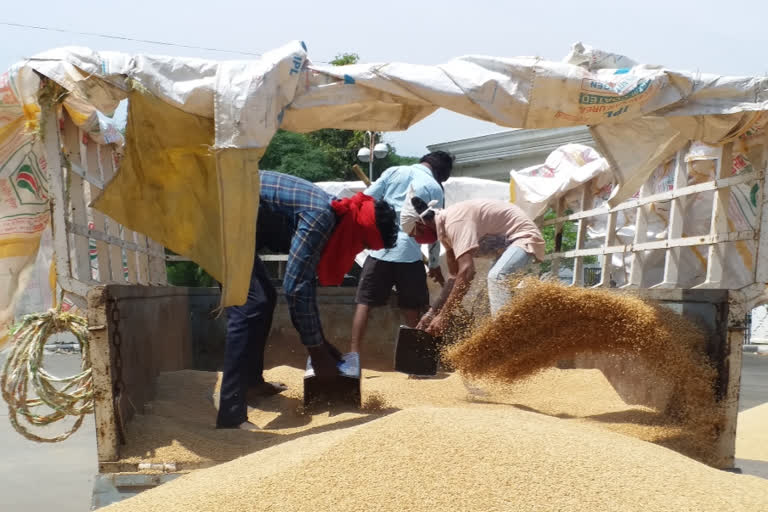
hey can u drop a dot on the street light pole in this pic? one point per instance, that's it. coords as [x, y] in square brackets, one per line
[370, 163]
[372, 152]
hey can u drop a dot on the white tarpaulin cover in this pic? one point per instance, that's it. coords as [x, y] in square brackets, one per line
[228, 112]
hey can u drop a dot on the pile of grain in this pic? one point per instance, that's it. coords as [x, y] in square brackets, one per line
[179, 426]
[446, 459]
[546, 322]
[752, 441]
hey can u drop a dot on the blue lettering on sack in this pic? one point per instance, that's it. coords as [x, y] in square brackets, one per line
[618, 112]
[297, 62]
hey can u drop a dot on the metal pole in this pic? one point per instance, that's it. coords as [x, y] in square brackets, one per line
[370, 162]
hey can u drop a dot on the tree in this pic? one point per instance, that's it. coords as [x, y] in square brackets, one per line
[186, 273]
[327, 154]
[294, 153]
[343, 59]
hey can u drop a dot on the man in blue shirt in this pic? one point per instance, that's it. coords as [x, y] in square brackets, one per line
[321, 235]
[401, 266]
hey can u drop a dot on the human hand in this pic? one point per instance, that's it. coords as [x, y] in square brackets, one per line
[426, 320]
[437, 275]
[436, 326]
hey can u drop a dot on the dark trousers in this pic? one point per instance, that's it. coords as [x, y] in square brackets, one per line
[247, 330]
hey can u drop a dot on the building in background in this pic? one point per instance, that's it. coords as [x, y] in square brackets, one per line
[493, 156]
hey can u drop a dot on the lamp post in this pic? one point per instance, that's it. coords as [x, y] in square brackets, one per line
[379, 150]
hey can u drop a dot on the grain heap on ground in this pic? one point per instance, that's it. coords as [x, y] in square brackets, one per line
[447, 459]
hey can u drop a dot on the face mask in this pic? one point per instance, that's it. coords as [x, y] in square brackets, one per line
[426, 236]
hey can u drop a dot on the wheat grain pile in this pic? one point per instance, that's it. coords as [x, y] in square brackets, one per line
[752, 440]
[448, 459]
[546, 322]
[179, 426]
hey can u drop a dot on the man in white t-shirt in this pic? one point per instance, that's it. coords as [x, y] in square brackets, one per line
[473, 229]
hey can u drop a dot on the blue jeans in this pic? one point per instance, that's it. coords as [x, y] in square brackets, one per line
[247, 330]
[512, 260]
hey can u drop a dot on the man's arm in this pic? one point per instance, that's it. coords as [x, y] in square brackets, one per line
[300, 271]
[437, 305]
[450, 260]
[434, 249]
[434, 255]
[456, 292]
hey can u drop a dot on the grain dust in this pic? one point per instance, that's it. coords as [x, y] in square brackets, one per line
[546, 322]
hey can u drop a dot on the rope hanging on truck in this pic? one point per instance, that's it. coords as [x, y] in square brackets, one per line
[68, 396]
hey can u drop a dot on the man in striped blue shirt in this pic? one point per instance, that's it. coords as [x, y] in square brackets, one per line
[321, 236]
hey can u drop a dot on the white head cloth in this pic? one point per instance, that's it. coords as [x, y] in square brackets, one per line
[409, 217]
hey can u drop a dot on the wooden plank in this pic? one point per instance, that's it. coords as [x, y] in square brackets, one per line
[157, 270]
[636, 268]
[112, 240]
[675, 229]
[58, 196]
[605, 264]
[664, 196]
[143, 260]
[130, 256]
[100, 354]
[585, 203]
[689, 241]
[76, 208]
[761, 272]
[719, 221]
[91, 162]
[558, 236]
[106, 159]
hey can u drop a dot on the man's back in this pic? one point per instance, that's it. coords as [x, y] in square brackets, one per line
[282, 199]
[392, 187]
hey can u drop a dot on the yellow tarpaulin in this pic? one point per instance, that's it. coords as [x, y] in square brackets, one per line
[170, 171]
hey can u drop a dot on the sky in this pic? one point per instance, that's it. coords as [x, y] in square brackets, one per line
[727, 38]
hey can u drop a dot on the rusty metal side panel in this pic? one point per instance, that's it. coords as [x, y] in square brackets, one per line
[731, 378]
[636, 384]
[107, 443]
[137, 332]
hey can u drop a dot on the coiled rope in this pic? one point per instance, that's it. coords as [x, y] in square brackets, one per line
[68, 396]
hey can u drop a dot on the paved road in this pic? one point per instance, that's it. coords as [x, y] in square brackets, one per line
[754, 381]
[58, 477]
[47, 477]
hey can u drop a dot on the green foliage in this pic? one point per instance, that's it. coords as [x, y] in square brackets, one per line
[294, 153]
[187, 273]
[568, 241]
[343, 59]
[327, 154]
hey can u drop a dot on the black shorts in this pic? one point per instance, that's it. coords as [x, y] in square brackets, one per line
[378, 277]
